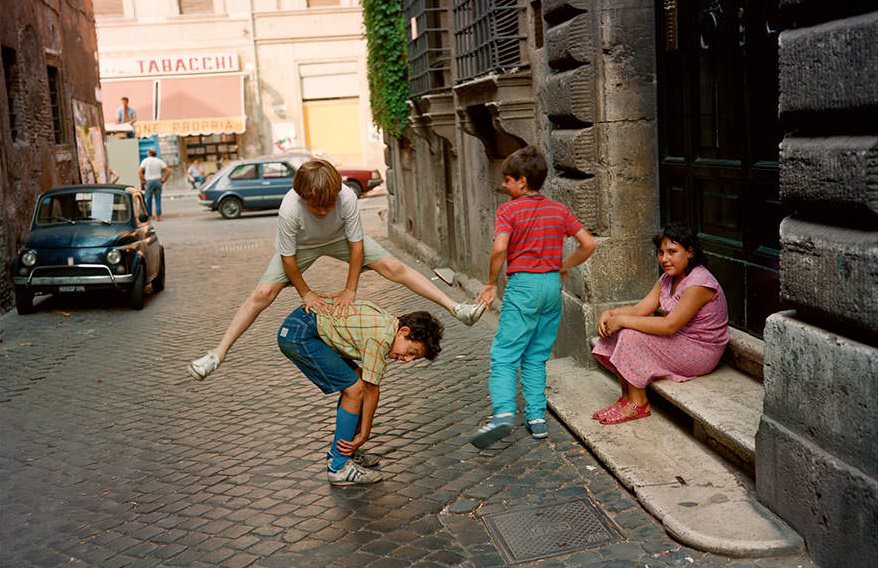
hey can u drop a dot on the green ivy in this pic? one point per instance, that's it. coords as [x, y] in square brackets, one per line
[387, 63]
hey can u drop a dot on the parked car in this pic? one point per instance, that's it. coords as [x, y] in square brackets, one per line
[261, 183]
[361, 180]
[86, 238]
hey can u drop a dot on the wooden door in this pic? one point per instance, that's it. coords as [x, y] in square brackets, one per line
[718, 142]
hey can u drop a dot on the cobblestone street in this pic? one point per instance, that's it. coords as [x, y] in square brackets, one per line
[111, 456]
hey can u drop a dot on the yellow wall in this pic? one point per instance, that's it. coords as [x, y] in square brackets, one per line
[333, 127]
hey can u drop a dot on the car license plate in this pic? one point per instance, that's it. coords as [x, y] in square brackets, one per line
[71, 288]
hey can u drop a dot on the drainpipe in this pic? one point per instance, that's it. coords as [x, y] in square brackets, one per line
[255, 55]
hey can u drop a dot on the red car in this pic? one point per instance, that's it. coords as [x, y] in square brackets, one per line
[360, 180]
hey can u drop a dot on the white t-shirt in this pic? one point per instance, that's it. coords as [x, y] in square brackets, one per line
[298, 228]
[152, 167]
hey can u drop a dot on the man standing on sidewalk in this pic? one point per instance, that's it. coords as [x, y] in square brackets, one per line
[153, 173]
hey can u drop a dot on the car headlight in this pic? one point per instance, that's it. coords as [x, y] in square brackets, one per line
[114, 256]
[376, 174]
[29, 258]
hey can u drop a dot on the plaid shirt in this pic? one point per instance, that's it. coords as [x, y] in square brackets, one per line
[365, 334]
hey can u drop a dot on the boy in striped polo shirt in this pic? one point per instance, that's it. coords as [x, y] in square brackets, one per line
[324, 347]
[529, 234]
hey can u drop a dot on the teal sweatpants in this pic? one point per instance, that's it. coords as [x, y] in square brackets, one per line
[527, 330]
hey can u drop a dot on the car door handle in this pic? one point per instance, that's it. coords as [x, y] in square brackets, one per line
[266, 183]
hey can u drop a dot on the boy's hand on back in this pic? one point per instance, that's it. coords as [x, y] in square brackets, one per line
[343, 302]
[314, 302]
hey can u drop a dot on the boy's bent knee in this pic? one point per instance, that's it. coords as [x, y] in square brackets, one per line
[355, 391]
[264, 294]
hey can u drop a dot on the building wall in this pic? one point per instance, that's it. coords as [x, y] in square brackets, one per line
[816, 457]
[42, 33]
[274, 39]
[594, 114]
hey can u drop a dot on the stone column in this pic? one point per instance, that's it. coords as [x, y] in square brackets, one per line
[816, 450]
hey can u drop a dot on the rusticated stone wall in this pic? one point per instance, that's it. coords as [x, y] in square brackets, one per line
[816, 459]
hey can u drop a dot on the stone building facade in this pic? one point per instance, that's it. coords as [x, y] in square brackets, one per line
[657, 111]
[49, 90]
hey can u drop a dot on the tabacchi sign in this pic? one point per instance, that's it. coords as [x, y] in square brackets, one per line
[175, 64]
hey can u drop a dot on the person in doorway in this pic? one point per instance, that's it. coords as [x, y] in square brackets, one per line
[529, 234]
[126, 114]
[684, 341]
[153, 173]
[195, 174]
[324, 347]
[320, 217]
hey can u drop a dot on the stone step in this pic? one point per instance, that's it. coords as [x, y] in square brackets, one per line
[701, 500]
[725, 407]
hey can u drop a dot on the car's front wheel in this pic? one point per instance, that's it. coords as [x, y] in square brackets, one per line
[24, 300]
[135, 294]
[230, 207]
[355, 185]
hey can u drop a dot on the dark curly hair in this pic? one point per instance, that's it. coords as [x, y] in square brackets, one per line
[425, 329]
[681, 234]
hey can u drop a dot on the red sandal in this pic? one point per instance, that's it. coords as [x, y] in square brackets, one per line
[605, 411]
[617, 416]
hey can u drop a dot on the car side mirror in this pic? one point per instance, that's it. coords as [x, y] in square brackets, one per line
[143, 218]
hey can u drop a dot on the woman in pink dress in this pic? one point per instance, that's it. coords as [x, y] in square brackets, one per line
[678, 331]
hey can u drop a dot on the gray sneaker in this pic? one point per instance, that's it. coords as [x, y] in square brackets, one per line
[495, 430]
[469, 313]
[353, 474]
[538, 429]
[200, 368]
[362, 459]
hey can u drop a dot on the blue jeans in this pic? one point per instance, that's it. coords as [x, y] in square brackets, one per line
[526, 332]
[154, 189]
[299, 340]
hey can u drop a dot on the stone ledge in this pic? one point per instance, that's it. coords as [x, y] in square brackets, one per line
[691, 490]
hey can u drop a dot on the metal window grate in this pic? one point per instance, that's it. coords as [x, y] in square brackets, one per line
[55, 103]
[487, 37]
[428, 46]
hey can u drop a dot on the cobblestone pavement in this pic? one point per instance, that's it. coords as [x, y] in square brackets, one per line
[111, 456]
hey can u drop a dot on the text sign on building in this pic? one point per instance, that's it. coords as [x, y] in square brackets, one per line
[175, 64]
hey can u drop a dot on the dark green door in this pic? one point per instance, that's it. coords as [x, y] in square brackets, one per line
[718, 142]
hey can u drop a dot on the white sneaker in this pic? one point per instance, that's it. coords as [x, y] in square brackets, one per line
[203, 366]
[469, 313]
[353, 474]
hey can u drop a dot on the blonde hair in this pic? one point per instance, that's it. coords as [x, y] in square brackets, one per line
[318, 182]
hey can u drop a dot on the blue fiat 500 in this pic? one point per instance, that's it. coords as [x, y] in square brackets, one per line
[85, 238]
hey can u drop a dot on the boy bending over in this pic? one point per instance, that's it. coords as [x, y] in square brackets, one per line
[324, 346]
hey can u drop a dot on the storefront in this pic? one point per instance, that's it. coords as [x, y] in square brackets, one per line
[190, 104]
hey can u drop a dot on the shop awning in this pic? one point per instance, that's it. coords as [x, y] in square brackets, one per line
[211, 104]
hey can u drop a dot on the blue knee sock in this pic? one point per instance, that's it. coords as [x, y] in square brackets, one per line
[345, 429]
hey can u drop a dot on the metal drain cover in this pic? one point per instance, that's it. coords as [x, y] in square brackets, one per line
[548, 530]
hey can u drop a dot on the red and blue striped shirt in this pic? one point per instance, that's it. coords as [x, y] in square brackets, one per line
[537, 227]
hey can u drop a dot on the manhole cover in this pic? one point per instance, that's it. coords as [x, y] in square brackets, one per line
[549, 530]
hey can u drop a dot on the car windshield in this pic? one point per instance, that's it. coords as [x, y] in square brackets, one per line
[84, 206]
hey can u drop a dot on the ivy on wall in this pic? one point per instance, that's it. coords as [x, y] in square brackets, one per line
[387, 64]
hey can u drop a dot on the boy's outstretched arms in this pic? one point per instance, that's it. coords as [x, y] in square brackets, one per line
[345, 298]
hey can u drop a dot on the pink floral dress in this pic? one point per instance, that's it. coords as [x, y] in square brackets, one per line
[692, 351]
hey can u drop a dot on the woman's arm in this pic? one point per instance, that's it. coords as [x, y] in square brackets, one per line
[645, 307]
[691, 300]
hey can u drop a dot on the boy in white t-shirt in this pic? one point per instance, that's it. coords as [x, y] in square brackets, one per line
[320, 217]
[153, 173]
